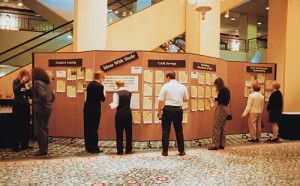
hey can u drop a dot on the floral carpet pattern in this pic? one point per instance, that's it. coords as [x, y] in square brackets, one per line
[242, 163]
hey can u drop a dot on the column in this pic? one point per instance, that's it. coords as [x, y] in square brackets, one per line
[248, 27]
[203, 36]
[283, 49]
[90, 23]
[292, 55]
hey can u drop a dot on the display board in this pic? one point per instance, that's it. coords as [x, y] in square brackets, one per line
[144, 74]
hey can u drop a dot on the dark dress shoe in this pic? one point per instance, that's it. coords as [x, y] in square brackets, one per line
[119, 153]
[164, 154]
[254, 140]
[16, 149]
[38, 153]
[181, 154]
[221, 147]
[98, 151]
[273, 140]
[26, 147]
[212, 148]
[128, 152]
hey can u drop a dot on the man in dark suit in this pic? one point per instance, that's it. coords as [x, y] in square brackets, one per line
[92, 112]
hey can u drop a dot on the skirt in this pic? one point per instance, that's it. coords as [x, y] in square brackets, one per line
[275, 116]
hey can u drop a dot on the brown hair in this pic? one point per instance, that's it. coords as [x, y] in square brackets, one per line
[99, 74]
[120, 82]
[276, 85]
[256, 87]
[219, 83]
[23, 73]
[40, 74]
[171, 75]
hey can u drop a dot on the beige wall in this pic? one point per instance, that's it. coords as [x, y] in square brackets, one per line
[149, 28]
[292, 57]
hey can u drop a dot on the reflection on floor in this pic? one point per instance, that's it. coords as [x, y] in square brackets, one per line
[241, 163]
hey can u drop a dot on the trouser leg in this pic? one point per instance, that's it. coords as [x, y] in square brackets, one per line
[177, 122]
[119, 136]
[258, 126]
[128, 131]
[25, 126]
[166, 124]
[223, 134]
[252, 119]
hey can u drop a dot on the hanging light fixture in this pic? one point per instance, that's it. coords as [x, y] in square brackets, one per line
[202, 6]
[20, 3]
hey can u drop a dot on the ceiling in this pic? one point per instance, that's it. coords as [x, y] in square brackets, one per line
[228, 26]
[253, 7]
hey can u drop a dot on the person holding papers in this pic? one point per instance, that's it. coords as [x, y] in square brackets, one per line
[123, 118]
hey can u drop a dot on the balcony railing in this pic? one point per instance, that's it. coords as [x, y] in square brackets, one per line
[10, 21]
[242, 45]
[233, 44]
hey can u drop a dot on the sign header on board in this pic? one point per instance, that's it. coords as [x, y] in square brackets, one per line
[65, 62]
[120, 61]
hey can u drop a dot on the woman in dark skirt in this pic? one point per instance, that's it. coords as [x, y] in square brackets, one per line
[275, 110]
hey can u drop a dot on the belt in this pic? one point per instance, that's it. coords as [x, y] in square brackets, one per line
[172, 106]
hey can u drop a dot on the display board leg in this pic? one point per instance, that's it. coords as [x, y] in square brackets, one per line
[244, 136]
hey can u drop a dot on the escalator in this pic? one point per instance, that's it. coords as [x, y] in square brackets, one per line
[145, 30]
[21, 55]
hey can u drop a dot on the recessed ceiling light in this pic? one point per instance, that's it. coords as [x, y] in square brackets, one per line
[233, 19]
[20, 4]
[259, 23]
[267, 8]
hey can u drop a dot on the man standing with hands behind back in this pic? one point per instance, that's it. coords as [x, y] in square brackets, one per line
[171, 98]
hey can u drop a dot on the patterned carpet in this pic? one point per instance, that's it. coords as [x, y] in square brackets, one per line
[241, 163]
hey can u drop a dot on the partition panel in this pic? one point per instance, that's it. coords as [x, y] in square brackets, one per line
[145, 73]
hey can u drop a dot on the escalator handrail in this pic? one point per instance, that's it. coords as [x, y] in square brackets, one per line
[35, 38]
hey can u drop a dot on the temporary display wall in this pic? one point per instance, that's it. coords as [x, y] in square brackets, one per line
[144, 74]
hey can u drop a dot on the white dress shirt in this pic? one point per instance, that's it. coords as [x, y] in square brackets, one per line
[173, 93]
[255, 103]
